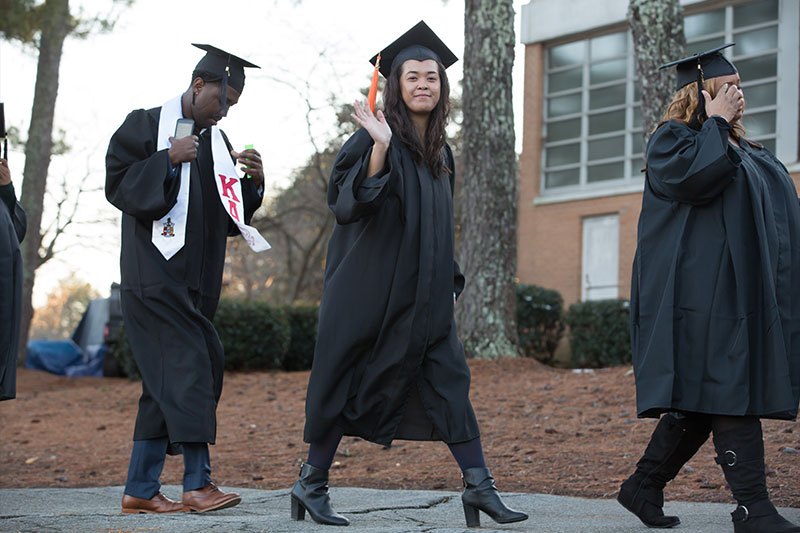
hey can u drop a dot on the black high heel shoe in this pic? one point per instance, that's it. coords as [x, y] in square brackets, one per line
[310, 493]
[480, 494]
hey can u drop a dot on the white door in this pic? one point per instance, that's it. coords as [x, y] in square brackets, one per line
[600, 272]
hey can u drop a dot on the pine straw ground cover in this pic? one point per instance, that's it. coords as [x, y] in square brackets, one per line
[544, 430]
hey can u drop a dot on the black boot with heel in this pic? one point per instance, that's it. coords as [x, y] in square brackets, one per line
[674, 441]
[310, 493]
[740, 452]
[480, 494]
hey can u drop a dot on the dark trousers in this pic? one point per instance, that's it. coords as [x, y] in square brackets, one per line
[147, 461]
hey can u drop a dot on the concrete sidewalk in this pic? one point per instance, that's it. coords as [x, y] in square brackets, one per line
[98, 509]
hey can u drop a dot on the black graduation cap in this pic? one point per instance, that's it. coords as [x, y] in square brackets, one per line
[418, 43]
[702, 66]
[224, 64]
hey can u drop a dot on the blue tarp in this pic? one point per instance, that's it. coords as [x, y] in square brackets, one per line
[53, 356]
[65, 358]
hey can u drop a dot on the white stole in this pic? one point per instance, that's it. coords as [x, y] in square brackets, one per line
[230, 191]
[169, 232]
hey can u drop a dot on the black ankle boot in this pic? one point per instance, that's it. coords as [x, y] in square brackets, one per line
[740, 452]
[310, 493]
[480, 494]
[674, 441]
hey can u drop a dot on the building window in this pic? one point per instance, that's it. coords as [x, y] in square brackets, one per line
[592, 117]
[592, 113]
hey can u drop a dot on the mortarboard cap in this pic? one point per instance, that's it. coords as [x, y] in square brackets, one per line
[418, 43]
[702, 66]
[224, 64]
[220, 62]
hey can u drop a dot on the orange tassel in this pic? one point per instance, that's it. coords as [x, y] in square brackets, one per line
[373, 88]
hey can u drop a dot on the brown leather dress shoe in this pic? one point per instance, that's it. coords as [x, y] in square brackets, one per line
[209, 498]
[157, 504]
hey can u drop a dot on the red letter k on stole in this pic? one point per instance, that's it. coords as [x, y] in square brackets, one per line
[233, 201]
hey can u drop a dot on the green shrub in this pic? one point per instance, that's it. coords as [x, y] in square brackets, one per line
[599, 333]
[540, 322]
[120, 349]
[255, 335]
[303, 325]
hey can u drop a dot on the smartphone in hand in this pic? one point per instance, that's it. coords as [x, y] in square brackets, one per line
[184, 128]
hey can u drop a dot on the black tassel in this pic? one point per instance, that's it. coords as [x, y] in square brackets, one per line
[194, 95]
[701, 108]
[223, 93]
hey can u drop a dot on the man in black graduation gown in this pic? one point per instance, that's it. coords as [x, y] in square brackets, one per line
[714, 298]
[173, 251]
[12, 230]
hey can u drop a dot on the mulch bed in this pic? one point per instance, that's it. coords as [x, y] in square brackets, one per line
[544, 430]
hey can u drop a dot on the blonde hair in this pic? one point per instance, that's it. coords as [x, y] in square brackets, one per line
[684, 106]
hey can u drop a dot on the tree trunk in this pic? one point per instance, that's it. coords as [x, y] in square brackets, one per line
[658, 38]
[56, 25]
[488, 252]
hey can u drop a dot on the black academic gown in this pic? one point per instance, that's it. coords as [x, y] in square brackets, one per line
[12, 230]
[388, 362]
[715, 295]
[167, 306]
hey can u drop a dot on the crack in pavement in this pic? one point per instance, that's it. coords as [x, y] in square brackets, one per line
[250, 500]
[413, 520]
[425, 525]
[443, 499]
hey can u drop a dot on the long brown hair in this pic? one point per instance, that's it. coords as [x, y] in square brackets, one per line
[684, 107]
[399, 120]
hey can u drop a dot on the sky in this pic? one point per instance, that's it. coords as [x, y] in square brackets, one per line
[310, 52]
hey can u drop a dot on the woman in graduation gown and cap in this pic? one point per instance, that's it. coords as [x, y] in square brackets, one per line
[388, 362]
[715, 297]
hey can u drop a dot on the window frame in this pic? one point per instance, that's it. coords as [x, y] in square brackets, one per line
[629, 132]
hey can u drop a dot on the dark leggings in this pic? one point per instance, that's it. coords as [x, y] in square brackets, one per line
[467, 454]
[321, 452]
[716, 423]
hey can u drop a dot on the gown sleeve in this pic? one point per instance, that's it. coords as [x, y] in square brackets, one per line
[252, 197]
[691, 166]
[458, 277]
[138, 177]
[352, 195]
[18, 218]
